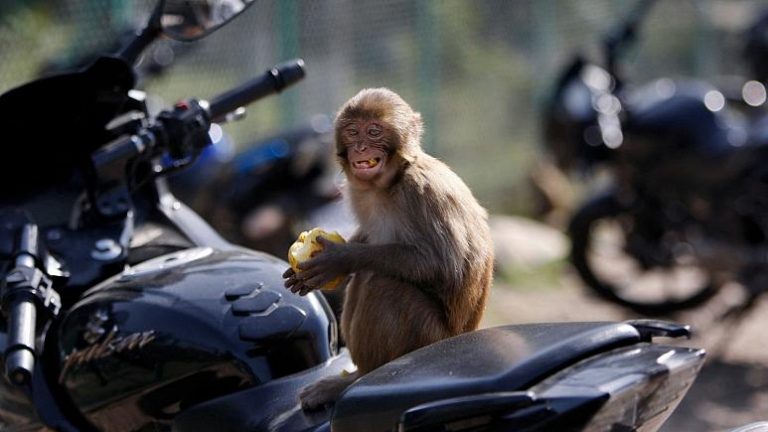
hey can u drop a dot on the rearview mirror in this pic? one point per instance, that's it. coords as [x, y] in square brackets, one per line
[187, 20]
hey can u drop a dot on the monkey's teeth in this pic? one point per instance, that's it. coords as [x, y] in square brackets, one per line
[370, 163]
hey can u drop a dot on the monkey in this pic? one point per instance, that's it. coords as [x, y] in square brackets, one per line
[421, 260]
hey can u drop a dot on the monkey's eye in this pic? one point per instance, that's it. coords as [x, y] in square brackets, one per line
[374, 132]
[351, 132]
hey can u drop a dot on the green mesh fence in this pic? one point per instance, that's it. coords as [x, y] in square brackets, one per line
[477, 70]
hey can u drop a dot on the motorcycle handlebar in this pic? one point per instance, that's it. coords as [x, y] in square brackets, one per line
[21, 310]
[120, 149]
[174, 127]
[274, 81]
[20, 354]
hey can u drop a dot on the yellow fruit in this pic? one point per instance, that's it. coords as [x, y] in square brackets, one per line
[307, 246]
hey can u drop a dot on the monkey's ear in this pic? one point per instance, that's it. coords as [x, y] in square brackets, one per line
[417, 127]
[415, 131]
[406, 158]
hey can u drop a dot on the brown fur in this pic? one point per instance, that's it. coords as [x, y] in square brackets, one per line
[422, 259]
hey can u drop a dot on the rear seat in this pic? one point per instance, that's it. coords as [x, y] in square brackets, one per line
[497, 359]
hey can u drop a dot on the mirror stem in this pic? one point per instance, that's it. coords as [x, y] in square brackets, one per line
[147, 35]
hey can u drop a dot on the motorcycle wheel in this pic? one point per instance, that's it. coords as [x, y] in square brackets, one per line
[599, 254]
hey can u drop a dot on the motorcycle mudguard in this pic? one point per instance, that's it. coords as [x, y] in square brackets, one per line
[183, 328]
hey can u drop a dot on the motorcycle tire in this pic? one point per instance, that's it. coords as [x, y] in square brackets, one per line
[582, 233]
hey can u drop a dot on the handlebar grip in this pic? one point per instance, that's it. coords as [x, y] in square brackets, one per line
[18, 301]
[119, 150]
[20, 354]
[274, 81]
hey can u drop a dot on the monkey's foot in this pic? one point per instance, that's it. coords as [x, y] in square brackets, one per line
[325, 391]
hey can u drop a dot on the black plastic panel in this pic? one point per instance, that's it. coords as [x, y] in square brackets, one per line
[270, 407]
[235, 292]
[280, 323]
[491, 360]
[184, 328]
[259, 302]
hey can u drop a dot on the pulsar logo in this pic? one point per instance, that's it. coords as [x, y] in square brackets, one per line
[112, 344]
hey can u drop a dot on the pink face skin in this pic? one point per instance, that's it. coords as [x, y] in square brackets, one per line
[368, 146]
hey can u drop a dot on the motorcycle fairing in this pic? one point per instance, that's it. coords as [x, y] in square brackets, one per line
[269, 407]
[183, 328]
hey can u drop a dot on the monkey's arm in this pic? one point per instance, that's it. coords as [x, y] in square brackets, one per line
[358, 237]
[402, 261]
[297, 283]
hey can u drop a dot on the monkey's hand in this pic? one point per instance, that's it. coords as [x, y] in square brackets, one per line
[332, 262]
[294, 283]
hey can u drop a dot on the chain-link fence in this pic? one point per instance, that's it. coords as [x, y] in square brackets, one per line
[477, 70]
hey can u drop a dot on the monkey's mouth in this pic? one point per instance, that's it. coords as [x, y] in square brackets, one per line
[366, 164]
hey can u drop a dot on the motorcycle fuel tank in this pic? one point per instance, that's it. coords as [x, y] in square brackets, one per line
[183, 328]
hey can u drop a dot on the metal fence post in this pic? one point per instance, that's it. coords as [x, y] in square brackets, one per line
[288, 41]
[429, 72]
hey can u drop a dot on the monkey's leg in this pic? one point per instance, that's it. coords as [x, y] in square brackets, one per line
[325, 391]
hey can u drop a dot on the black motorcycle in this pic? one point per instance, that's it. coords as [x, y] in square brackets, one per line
[687, 208]
[124, 311]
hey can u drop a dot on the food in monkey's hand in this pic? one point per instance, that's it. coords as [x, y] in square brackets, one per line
[307, 246]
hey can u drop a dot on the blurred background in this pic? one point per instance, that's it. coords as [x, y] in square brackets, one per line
[479, 72]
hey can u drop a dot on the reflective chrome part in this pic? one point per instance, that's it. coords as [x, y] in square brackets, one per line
[94, 328]
[165, 262]
[106, 249]
[189, 20]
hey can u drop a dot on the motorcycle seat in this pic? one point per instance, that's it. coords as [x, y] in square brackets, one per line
[508, 358]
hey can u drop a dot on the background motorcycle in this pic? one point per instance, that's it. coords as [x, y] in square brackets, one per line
[263, 196]
[126, 312]
[687, 204]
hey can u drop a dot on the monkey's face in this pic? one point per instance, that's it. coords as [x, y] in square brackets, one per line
[368, 145]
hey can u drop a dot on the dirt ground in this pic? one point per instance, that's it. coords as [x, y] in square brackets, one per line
[732, 389]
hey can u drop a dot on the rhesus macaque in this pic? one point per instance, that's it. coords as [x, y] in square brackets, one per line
[422, 258]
